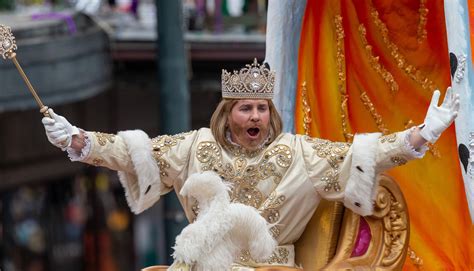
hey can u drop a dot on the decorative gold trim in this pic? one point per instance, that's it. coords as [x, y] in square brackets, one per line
[412, 72]
[97, 161]
[279, 256]
[388, 138]
[306, 109]
[375, 64]
[103, 138]
[341, 77]
[243, 175]
[163, 144]
[421, 33]
[373, 112]
[334, 153]
[390, 231]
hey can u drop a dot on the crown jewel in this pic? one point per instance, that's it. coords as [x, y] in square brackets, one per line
[254, 81]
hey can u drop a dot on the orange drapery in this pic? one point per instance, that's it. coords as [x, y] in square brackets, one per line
[371, 66]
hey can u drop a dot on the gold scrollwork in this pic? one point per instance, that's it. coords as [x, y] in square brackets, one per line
[375, 64]
[270, 208]
[280, 256]
[412, 72]
[395, 225]
[334, 153]
[161, 145]
[244, 176]
[97, 161]
[373, 112]
[275, 231]
[103, 138]
[388, 138]
[341, 77]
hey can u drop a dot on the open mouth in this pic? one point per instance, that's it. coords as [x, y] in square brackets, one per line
[253, 132]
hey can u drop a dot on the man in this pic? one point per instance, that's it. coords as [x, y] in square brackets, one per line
[283, 176]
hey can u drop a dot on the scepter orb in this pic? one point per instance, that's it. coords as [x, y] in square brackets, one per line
[7, 50]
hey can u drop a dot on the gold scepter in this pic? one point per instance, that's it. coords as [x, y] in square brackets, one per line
[7, 50]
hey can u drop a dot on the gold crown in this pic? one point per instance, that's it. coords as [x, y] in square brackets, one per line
[254, 81]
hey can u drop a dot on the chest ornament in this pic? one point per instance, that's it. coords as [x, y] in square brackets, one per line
[245, 176]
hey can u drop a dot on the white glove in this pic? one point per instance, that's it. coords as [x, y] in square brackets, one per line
[58, 130]
[438, 118]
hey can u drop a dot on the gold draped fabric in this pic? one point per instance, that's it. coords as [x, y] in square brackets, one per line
[369, 66]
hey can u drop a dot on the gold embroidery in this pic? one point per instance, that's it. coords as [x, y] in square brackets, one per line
[245, 177]
[334, 153]
[161, 145]
[195, 209]
[331, 180]
[375, 64]
[421, 31]
[388, 138]
[245, 256]
[402, 63]
[280, 256]
[398, 160]
[102, 138]
[306, 109]
[275, 231]
[269, 209]
[375, 115]
[97, 162]
[341, 74]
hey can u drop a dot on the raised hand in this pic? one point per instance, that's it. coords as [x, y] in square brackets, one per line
[438, 118]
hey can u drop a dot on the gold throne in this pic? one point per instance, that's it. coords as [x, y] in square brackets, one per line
[338, 239]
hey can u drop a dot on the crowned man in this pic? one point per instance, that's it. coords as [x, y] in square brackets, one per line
[284, 176]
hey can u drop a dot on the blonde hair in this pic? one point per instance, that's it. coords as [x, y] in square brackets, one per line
[219, 121]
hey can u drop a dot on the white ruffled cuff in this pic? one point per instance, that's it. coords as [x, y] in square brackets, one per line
[416, 153]
[75, 156]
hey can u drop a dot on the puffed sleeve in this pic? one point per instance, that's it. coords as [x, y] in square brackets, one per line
[146, 167]
[347, 171]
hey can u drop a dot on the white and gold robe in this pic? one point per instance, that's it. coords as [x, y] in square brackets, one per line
[285, 180]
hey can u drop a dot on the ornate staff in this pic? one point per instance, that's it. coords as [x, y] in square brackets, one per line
[7, 50]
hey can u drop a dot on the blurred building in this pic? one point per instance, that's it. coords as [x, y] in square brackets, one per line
[94, 62]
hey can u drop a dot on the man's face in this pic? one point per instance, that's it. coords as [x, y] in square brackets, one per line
[249, 123]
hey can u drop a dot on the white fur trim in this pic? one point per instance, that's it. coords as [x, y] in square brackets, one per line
[143, 188]
[362, 183]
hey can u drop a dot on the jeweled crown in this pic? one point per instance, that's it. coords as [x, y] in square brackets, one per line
[254, 81]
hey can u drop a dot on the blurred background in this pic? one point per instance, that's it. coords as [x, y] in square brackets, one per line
[99, 64]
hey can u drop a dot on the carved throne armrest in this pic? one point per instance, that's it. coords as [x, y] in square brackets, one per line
[372, 242]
